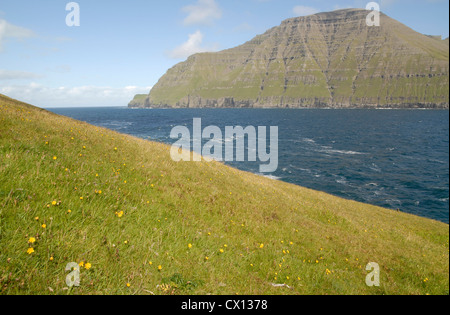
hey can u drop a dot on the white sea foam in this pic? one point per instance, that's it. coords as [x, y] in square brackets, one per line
[271, 177]
[331, 151]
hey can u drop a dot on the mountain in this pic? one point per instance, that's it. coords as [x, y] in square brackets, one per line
[328, 59]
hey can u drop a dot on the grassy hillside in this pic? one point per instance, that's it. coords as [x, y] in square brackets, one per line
[139, 223]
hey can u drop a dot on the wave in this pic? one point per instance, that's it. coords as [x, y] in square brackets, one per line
[344, 152]
[271, 177]
[308, 140]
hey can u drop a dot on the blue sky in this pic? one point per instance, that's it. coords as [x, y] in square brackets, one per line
[122, 48]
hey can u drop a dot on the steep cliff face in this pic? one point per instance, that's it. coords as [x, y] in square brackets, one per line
[138, 101]
[324, 60]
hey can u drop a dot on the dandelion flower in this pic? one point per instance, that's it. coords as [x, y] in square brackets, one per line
[150, 263]
[189, 245]
[128, 285]
[55, 158]
[88, 266]
[32, 240]
[51, 258]
[81, 264]
[261, 246]
[221, 251]
[160, 267]
[30, 251]
[54, 203]
[44, 226]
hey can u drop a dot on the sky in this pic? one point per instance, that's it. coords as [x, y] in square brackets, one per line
[122, 48]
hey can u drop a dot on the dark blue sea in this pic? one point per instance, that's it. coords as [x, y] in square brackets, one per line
[398, 159]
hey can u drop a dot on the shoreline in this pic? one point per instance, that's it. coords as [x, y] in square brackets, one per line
[276, 178]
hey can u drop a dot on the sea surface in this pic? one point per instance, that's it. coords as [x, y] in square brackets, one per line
[398, 159]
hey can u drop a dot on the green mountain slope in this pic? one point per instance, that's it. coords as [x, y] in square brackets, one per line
[139, 223]
[325, 60]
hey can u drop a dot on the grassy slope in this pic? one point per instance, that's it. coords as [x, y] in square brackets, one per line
[168, 206]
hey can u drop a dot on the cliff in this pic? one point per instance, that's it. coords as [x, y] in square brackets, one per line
[324, 60]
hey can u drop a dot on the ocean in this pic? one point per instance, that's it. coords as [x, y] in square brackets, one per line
[398, 159]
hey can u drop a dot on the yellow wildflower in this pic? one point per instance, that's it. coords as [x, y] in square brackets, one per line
[32, 240]
[30, 251]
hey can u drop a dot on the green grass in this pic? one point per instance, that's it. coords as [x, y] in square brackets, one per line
[313, 242]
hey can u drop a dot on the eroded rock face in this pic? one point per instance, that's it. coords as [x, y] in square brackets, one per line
[325, 60]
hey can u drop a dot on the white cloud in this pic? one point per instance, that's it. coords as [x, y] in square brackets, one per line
[80, 96]
[301, 10]
[203, 12]
[7, 30]
[7, 75]
[59, 69]
[192, 46]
